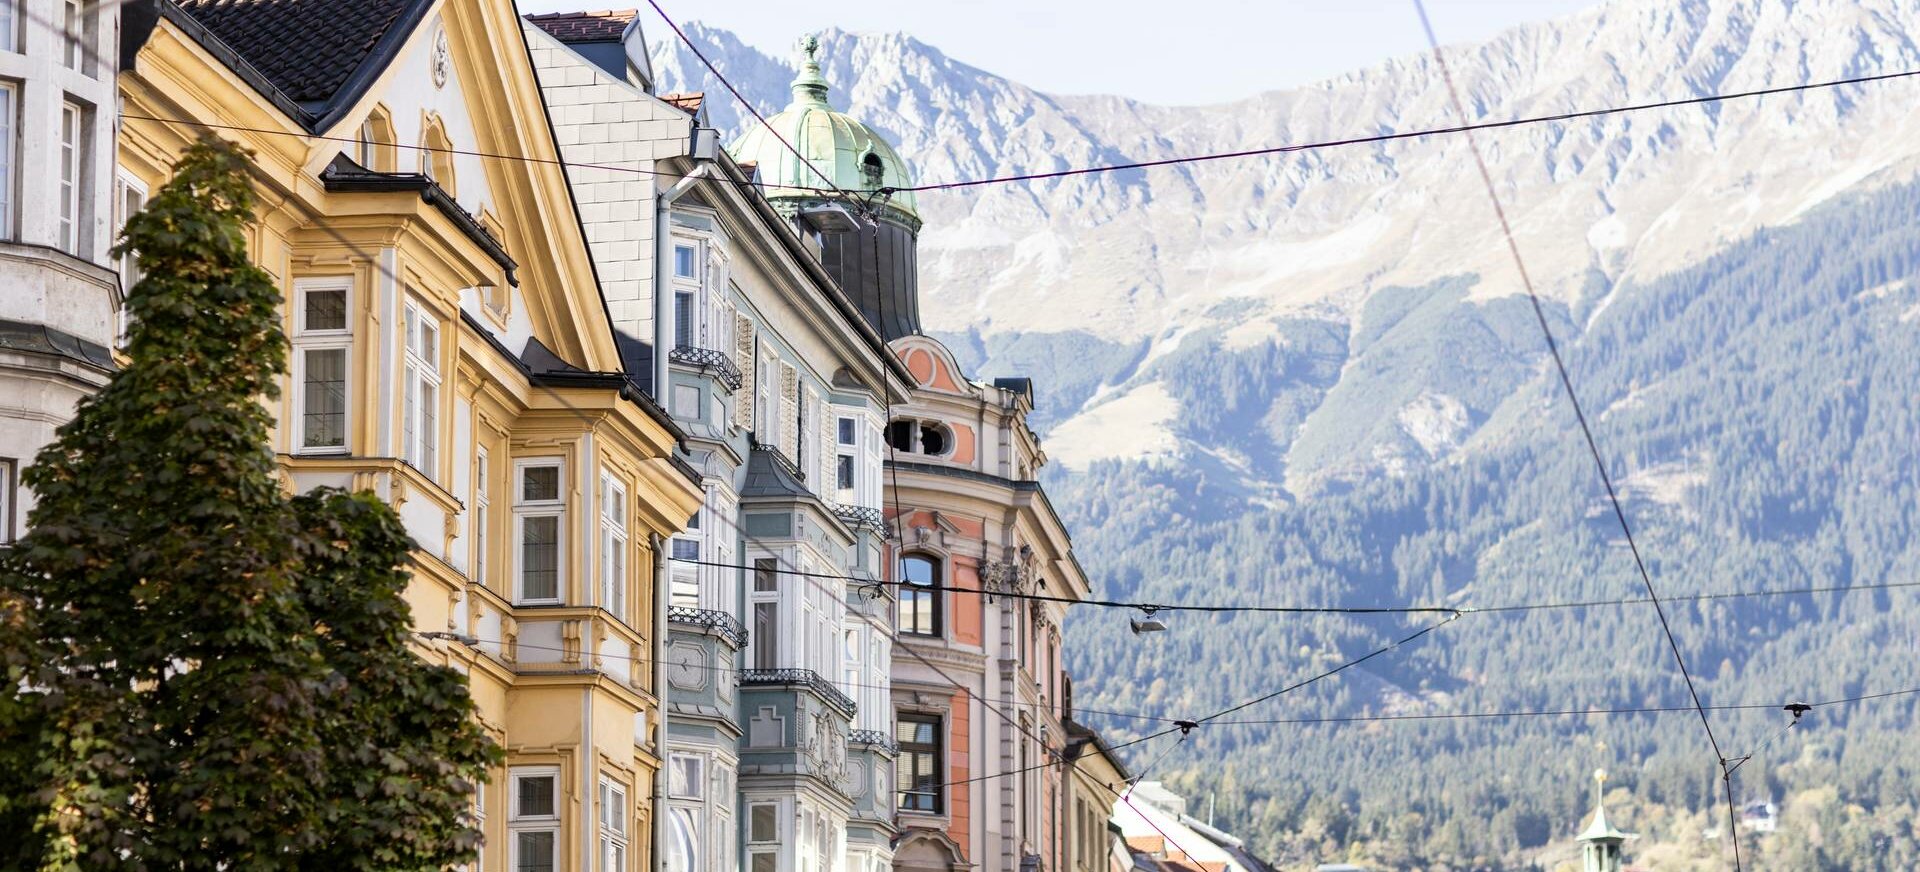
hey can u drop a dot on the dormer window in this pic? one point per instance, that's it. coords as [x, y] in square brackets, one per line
[930, 438]
[872, 170]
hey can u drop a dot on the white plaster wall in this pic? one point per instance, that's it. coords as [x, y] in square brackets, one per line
[44, 83]
[408, 90]
[621, 131]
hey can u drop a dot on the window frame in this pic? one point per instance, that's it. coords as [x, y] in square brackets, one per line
[913, 591]
[309, 339]
[9, 497]
[420, 374]
[615, 546]
[519, 823]
[482, 514]
[74, 157]
[614, 831]
[525, 509]
[9, 155]
[936, 750]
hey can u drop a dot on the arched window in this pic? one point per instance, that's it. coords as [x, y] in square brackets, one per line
[930, 438]
[872, 170]
[374, 143]
[919, 595]
[436, 155]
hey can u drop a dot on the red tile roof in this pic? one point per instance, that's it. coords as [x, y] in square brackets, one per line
[603, 26]
[687, 100]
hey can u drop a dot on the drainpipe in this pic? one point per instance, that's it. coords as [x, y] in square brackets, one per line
[663, 273]
[662, 585]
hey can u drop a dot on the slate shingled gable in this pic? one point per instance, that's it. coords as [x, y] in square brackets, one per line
[322, 54]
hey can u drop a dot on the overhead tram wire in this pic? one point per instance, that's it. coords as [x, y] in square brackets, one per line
[1586, 430]
[1116, 604]
[744, 102]
[1411, 134]
[1353, 610]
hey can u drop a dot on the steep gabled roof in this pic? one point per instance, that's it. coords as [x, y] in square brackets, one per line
[321, 54]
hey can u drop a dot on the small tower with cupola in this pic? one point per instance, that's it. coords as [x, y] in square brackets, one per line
[841, 183]
[1600, 843]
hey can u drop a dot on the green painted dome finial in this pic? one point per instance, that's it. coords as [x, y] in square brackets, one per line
[810, 86]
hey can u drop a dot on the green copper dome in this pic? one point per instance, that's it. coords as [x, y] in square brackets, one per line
[855, 157]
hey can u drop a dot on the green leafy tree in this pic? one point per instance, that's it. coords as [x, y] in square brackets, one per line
[205, 672]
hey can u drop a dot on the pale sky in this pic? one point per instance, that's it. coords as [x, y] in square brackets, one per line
[1174, 51]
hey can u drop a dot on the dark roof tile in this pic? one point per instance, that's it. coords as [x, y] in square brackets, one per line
[309, 49]
[603, 26]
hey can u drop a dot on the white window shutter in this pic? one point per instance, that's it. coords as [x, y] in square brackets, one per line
[743, 358]
[789, 428]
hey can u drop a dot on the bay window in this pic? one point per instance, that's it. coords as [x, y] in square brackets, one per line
[539, 517]
[322, 342]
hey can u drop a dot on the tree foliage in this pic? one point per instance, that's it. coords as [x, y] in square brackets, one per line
[204, 672]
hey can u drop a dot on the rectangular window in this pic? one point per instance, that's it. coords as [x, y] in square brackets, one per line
[917, 769]
[687, 777]
[919, 607]
[763, 823]
[9, 107]
[538, 512]
[613, 827]
[686, 262]
[419, 411]
[322, 340]
[533, 822]
[481, 500]
[682, 319]
[7, 494]
[73, 173]
[613, 547]
[128, 197]
[765, 635]
[72, 31]
[766, 575]
[9, 26]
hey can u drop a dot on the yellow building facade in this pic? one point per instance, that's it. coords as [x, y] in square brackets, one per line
[451, 353]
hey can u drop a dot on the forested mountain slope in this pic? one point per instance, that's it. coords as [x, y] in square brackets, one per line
[1309, 380]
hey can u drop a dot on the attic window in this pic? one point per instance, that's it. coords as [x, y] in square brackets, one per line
[930, 438]
[871, 168]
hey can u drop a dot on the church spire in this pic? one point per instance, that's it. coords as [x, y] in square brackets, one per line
[1600, 842]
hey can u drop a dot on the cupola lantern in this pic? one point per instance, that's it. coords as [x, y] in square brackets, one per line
[842, 165]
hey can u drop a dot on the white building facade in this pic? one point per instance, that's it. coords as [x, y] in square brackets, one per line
[60, 206]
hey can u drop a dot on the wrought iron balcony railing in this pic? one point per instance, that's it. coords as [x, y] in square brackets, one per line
[709, 359]
[876, 738]
[725, 625]
[861, 516]
[806, 678]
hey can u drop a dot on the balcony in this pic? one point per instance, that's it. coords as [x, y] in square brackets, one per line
[710, 360]
[876, 738]
[806, 678]
[721, 624]
[856, 517]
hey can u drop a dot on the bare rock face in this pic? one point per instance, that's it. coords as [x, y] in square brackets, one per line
[1227, 251]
